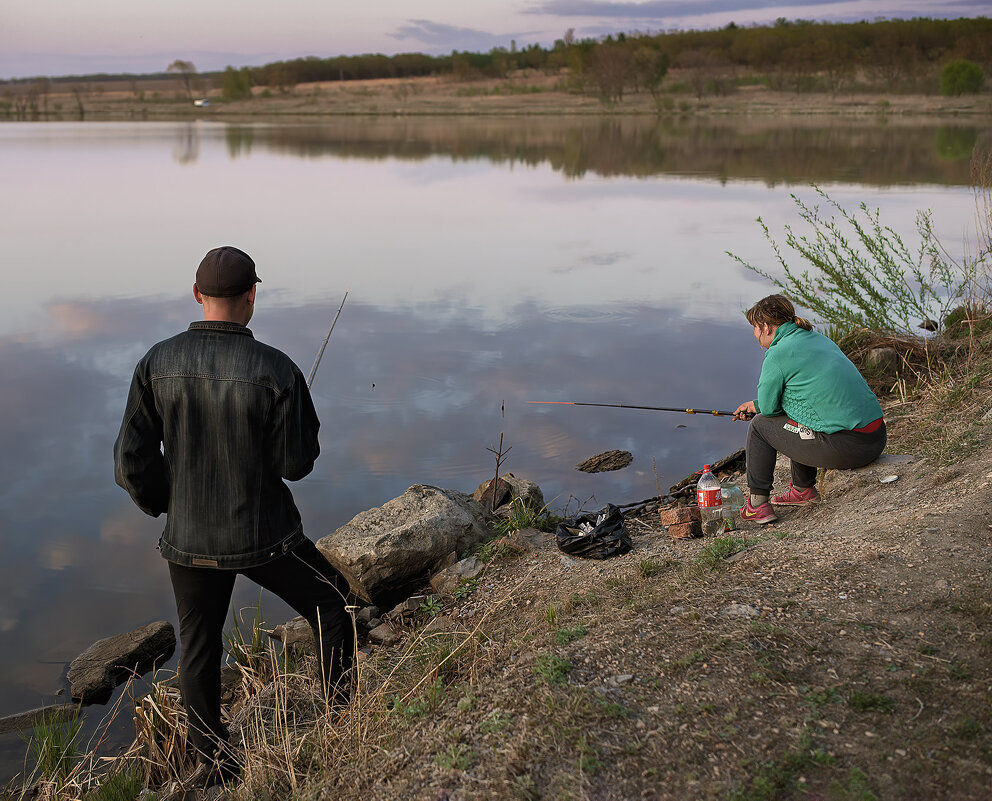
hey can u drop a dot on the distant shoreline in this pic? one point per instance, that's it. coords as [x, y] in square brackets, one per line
[532, 94]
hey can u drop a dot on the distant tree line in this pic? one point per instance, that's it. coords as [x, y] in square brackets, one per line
[800, 56]
[897, 55]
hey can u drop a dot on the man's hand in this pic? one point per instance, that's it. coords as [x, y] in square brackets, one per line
[745, 411]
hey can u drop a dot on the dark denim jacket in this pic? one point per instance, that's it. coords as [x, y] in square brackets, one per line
[215, 421]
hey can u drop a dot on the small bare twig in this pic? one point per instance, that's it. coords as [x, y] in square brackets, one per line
[500, 455]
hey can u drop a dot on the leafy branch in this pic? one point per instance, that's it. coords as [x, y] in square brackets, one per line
[860, 273]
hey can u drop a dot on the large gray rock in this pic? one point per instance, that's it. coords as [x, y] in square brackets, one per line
[95, 673]
[382, 551]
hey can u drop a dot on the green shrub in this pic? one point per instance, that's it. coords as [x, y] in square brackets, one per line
[961, 77]
[857, 273]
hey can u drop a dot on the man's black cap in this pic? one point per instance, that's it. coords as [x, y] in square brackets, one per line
[225, 272]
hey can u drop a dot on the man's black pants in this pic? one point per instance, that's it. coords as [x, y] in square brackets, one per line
[303, 578]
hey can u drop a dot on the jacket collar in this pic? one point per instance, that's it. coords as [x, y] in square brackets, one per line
[221, 325]
[783, 330]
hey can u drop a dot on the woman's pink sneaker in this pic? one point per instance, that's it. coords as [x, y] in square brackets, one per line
[794, 497]
[762, 514]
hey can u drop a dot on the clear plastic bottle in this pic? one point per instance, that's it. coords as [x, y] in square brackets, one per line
[733, 500]
[710, 502]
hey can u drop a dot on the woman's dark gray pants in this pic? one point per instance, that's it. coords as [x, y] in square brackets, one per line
[808, 450]
[303, 578]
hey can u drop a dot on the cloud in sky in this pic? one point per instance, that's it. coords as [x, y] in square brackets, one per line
[684, 11]
[440, 38]
[63, 37]
[655, 9]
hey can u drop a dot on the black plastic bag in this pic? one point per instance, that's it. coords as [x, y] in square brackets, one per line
[594, 535]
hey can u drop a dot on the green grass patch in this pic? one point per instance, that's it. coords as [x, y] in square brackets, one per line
[779, 779]
[455, 757]
[694, 658]
[760, 627]
[583, 599]
[552, 669]
[817, 699]
[431, 606]
[566, 635]
[853, 787]
[53, 744]
[721, 548]
[589, 761]
[496, 721]
[967, 728]
[870, 702]
[123, 786]
[523, 516]
[465, 588]
[612, 709]
[652, 567]
[496, 548]
[420, 705]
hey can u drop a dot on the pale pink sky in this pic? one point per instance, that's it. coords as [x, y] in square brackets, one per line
[59, 37]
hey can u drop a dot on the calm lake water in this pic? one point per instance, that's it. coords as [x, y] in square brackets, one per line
[489, 261]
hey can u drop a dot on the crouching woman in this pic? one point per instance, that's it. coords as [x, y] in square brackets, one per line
[812, 406]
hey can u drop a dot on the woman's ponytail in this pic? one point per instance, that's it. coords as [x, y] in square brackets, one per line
[775, 310]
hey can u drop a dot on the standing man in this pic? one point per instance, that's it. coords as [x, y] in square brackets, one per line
[215, 421]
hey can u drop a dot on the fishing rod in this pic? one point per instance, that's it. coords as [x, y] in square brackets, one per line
[320, 353]
[714, 412]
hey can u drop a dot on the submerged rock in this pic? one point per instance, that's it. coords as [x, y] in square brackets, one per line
[604, 462]
[22, 721]
[95, 673]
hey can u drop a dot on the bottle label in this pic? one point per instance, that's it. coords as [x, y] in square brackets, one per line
[705, 498]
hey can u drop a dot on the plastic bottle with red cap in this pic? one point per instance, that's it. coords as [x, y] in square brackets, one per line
[710, 502]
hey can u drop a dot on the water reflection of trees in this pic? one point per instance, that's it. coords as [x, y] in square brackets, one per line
[879, 151]
[186, 148]
[239, 140]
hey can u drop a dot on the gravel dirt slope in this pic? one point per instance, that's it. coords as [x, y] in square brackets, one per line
[840, 653]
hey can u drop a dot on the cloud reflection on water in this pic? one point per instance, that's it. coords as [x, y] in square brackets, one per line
[81, 562]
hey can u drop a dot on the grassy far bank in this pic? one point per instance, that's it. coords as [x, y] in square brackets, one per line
[919, 56]
[525, 92]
